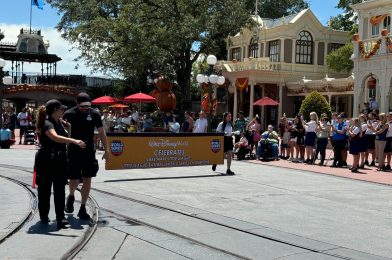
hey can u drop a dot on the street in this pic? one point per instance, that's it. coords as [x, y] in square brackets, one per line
[263, 212]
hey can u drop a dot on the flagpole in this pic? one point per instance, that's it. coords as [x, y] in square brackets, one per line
[31, 13]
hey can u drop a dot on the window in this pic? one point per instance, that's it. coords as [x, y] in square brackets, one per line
[236, 54]
[375, 30]
[387, 23]
[304, 48]
[253, 48]
[273, 50]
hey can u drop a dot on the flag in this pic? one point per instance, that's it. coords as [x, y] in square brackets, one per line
[38, 3]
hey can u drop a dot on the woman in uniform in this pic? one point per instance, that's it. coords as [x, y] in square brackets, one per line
[50, 159]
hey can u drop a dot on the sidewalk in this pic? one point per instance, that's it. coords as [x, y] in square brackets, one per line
[369, 174]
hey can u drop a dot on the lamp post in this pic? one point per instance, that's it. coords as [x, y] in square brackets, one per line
[3, 80]
[211, 80]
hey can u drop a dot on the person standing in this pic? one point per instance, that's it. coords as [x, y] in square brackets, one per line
[12, 123]
[23, 123]
[310, 136]
[5, 137]
[82, 162]
[322, 139]
[226, 127]
[201, 123]
[355, 133]
[187, 126]
[339, 140]
[51, 160]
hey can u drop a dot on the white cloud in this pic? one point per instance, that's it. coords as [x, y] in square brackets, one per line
[57, 45]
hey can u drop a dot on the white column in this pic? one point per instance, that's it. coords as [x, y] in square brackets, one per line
[357, 97]
[259, 54]
[281, 50]
[293, 51]
[246, 52]
[251, 99]
[235, 104]
[228, 54]
[325, 51]
[337, 104]
[383, 93]
[315, 60]
[329, 99]
[280, 107]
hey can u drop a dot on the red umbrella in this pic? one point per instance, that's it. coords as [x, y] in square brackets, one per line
[104, 100]
[120, 106]
[266, 101]
[139, 98]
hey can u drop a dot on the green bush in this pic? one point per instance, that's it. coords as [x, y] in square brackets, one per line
[315, 102]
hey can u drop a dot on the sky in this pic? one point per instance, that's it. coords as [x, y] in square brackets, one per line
[15, 14]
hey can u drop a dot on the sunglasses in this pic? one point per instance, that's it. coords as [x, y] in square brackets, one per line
[86, 106]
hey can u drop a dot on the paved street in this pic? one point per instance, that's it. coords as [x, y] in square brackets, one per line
[263, 212]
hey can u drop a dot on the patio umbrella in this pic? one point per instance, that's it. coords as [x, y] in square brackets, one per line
[266, 101]
[119, 106]
[139, 98]
[104, 100]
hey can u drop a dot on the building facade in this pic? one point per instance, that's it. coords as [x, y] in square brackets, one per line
[285, 59]
[373, 55]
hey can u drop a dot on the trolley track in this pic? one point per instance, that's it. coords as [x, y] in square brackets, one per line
[84, 240]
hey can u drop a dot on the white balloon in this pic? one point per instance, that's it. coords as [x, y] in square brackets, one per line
[221, 80]
[211, 60]
[213, 78]
[2, 63]
[7, 80]
[200, 78]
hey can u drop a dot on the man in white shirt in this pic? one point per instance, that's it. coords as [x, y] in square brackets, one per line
[373, 104]
[135, 115]
[23, 123]
[201, 123]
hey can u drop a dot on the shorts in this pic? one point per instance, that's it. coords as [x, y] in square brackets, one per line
[82, 164]
[227, 144]
[293, 139]
[284, 145]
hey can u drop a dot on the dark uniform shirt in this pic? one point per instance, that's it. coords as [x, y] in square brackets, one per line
[83, 125]
[47, 143]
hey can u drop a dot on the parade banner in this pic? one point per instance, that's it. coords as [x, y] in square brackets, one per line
[156, 150]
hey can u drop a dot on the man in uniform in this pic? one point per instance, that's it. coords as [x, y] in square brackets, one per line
[82, 162]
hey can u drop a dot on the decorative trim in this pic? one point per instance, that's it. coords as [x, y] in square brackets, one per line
[373, 51]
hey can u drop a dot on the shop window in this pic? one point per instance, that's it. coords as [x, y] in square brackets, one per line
[304, 48]
[375, 30]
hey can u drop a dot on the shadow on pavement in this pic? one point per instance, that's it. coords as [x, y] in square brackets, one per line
[169, 178]
[46, 229]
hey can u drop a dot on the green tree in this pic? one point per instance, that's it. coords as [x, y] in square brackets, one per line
[346, 21]
[130, 37]
[315, 102]
[340, 59]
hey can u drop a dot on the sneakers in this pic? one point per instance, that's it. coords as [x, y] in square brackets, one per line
[229, 172]
[214, 167]
[83, 213]
[387, 167]
[62, 223]
[366, 163]
[69, 208]
[372, 163]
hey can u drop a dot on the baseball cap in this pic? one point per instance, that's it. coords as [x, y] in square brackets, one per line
[83, 99]
[53, 104]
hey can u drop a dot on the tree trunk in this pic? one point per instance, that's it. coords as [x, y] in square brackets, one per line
[184, 82]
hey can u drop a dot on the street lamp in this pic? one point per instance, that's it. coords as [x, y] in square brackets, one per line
[3, 80]
[212, 80]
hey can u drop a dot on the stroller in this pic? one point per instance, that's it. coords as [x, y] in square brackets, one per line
[29, 135]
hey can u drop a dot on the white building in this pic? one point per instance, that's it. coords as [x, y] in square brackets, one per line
[373, 54]
[285, 59]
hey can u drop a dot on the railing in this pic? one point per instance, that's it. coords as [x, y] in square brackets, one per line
[251, 64]
[58, 80]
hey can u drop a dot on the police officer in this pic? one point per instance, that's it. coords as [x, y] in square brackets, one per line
[50, 160]
[82, 162]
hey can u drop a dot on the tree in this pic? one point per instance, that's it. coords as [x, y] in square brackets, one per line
[340, 59]
[346, 21]
[132, 37]
[315, 102]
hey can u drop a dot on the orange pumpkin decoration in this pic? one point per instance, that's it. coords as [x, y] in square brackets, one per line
[164, 84]
[356, 37]
[166, 101]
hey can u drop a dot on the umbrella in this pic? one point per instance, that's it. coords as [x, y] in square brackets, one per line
[139, 98]
[266, 101]
[120, 106]
[104, 100]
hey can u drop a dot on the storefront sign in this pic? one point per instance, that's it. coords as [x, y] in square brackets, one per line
[155, 150]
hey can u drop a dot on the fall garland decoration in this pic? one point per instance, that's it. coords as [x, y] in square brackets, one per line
[373, 51]
[389, 44]
[241, 83]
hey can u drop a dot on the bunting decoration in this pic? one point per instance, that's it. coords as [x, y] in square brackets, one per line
[377, 19]
[241, 83]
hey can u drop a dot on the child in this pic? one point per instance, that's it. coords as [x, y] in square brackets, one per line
[284, 147]
[243, 142]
